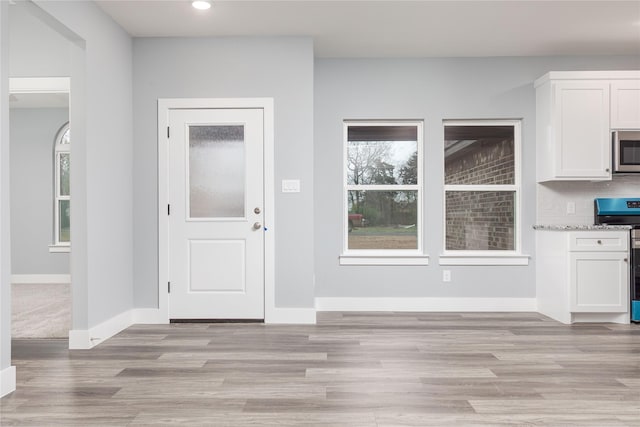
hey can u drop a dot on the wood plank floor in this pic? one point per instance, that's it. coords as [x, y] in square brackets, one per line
[351, 369]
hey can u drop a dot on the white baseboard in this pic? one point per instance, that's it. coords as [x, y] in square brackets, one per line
[83, 339]
[426, 304]
[155, 316]
[149, 316]
[45, 279]
[7, 380]
[299, 316]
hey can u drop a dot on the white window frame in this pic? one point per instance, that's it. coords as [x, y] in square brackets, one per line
[384, 256]
[487, 257]
[59, 149]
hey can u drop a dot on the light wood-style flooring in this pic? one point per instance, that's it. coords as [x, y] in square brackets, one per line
[351, 369]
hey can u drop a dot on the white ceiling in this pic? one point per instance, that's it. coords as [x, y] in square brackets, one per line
[402, 28]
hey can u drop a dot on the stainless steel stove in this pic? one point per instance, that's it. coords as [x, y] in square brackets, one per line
[625, 211]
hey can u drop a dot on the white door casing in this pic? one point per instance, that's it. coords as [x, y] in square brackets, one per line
[218, 260]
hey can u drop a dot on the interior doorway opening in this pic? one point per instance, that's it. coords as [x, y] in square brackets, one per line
[40, 211]
[39, 114]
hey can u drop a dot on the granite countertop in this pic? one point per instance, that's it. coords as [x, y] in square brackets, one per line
[569, 227]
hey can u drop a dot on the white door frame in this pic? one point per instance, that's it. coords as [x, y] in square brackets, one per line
[39, 84]
[164, 107]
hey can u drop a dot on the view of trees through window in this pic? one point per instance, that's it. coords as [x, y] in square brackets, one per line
[382, 186]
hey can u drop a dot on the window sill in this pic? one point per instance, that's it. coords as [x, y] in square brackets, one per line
[481, 259]
[59, 248]
[384, 259]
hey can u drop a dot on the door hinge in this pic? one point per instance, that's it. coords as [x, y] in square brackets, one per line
[168, 209]
[168, 287]
[168, 132]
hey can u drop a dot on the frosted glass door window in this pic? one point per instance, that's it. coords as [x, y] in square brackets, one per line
[216, 171]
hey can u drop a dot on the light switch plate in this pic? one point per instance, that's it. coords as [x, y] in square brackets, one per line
[290, 185]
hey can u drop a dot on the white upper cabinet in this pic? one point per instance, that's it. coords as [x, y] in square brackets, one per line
[625, 104]
[581, 131]
[575, 112]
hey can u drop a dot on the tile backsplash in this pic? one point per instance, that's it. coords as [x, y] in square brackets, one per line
[553, 197]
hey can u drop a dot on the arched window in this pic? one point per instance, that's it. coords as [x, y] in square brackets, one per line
[62, 195]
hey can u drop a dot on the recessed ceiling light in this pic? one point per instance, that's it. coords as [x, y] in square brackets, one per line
[201, 4]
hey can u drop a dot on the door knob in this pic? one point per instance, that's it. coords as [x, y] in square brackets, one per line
[257, 226]
[257, 211]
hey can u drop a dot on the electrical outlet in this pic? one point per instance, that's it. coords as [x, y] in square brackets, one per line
[446, 275]
[571, 208]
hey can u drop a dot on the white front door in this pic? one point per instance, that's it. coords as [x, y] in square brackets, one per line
[216, 203]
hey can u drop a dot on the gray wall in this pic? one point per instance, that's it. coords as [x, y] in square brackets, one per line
[102, 186]
[281, 68]
[37, 50]
[32, 137]
[432, 90]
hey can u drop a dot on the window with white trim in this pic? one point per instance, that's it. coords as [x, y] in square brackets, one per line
[482, 187]
[382, 188]
[62, 193]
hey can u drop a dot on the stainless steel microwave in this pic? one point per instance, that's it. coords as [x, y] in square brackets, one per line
[626, 151]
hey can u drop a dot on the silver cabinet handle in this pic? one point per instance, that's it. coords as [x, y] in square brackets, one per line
[599, 242]
[257, 226]
[257, 211]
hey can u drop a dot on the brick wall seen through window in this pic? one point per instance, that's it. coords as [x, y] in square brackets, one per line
[480, 186]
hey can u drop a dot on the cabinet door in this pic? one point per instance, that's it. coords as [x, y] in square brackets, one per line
[582, 135]
[599, 282]
[625, 104]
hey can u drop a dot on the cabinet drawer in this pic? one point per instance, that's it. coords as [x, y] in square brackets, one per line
[599, 241]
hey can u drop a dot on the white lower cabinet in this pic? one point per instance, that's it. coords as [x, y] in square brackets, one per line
[598, 282]
[583, 276]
